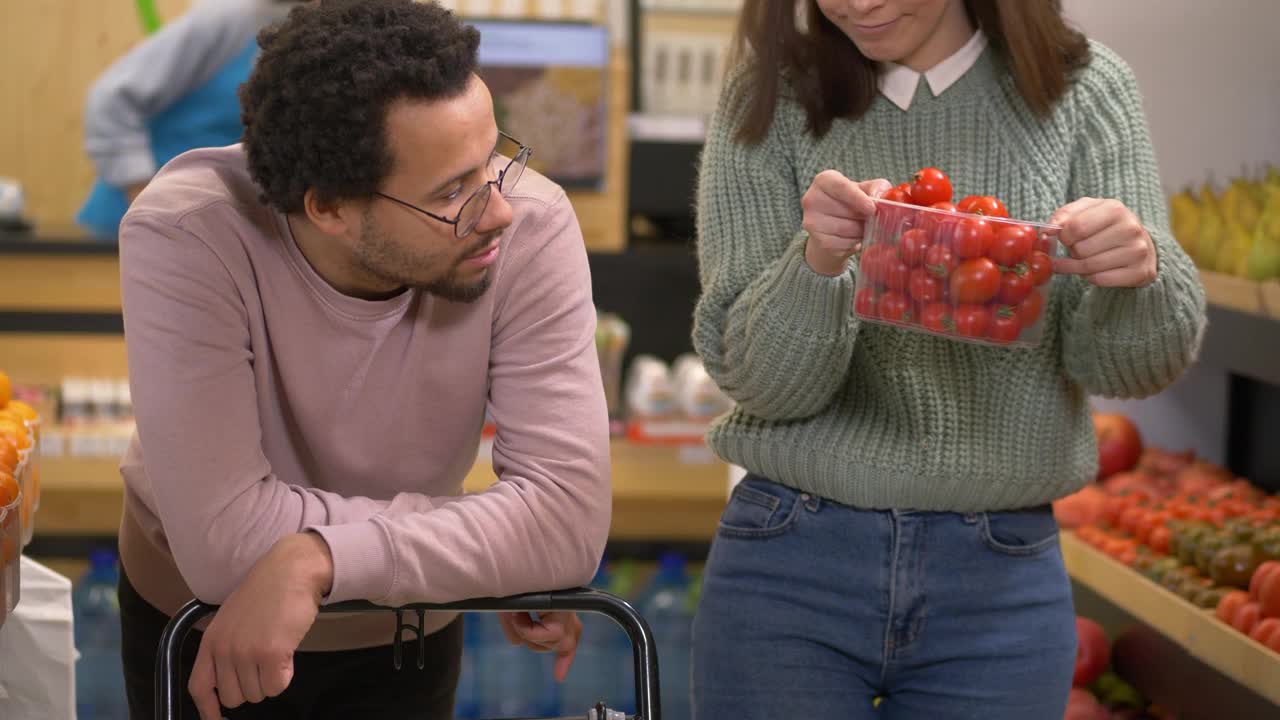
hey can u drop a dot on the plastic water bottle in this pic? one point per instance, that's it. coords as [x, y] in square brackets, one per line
[601, 670]
[466, 704]
[665, 605]
[99, 672]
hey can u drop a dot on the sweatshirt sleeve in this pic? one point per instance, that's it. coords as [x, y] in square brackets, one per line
[544, 523]
[774, 335]
[187, 337]
[154, 74]
[1127, 342]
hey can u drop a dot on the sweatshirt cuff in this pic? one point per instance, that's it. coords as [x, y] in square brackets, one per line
[804, 299]
[363, 564]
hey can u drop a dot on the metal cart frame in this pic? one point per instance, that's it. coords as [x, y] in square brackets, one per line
[169, 680]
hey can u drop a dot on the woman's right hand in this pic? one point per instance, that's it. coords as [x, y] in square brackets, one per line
[835, 213]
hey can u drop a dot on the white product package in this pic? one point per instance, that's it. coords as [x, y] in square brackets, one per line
[37, 649]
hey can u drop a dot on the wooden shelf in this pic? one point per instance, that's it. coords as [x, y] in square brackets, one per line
[660, 494]
[1241, 295]
[1194, 629]
[1243, 337]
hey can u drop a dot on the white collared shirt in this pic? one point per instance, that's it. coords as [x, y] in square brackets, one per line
[898, 82]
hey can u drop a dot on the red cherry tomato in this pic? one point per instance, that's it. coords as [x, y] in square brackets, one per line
[924, 286]
[1045, 243]
[930, 186]
[940, 260]
[975, 281]
[1015, 286]
[899, 193]
[972, 237]
[983, 205]
[1012, 245]
[971, 320]
[896, 273]
[1041, 267]
[1005, 326]
[912, 246]
[941, 224]
[895, 307]
[865, 302]
[1029, 310]
[936, 317]
[872, 262]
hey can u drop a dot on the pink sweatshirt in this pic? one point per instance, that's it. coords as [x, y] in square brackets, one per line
[268, 403]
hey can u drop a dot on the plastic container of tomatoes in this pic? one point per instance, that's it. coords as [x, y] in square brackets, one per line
[10, 544]
[967, 276]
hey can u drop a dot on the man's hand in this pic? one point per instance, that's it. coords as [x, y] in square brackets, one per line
[246, 655]
[556, 632]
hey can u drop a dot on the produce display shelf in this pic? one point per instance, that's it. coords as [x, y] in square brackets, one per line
[1194, 629]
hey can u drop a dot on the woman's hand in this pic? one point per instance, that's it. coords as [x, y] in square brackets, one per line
[835, 214]
[1109, 247]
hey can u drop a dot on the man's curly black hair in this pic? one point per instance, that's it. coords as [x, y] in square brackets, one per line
[314, 108]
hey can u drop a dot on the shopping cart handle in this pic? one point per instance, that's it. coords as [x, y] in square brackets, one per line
[169, 682]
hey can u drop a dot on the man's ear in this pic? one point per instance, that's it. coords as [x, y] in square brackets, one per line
[332, 217]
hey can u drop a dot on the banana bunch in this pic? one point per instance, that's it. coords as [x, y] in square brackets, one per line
[1237, 232]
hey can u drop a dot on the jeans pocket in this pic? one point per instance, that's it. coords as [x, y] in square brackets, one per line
[759, 508]
[1020, 532]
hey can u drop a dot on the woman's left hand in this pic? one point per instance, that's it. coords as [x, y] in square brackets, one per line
[1108, 245]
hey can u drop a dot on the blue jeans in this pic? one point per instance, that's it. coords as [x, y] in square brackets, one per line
[811, 609]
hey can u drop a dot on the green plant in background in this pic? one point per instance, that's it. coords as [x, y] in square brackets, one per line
[148, 15]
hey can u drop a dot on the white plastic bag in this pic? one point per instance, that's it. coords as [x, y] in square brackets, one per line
[37, 650]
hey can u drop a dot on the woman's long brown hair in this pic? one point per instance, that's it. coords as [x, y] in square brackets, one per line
[831, 79]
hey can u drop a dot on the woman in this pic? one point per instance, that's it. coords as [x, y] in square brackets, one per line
[893, 542]
[173, 92]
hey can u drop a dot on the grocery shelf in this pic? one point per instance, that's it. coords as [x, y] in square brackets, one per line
[1242, 295]
[1194, 629]
[1244, 327]
[660, 493]
[658, 128]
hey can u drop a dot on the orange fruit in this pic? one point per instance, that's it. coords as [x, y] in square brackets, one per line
[8, 489]
[15, 430]
[23, 410]
[6, 389]
[8, 455]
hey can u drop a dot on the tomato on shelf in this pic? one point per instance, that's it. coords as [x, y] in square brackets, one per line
[1187, 524]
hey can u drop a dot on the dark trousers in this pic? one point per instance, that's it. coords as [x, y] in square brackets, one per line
[340, 685]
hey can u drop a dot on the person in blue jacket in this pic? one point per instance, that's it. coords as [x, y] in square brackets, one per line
[173, 92]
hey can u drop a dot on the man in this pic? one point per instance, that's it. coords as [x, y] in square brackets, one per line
[317, 324]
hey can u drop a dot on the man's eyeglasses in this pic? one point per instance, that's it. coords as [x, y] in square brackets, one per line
[473, 209]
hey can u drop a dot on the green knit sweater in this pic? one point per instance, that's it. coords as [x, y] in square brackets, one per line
[877, 417]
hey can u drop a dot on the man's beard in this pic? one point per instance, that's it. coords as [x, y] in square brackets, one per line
[449, 288]
[382, 258]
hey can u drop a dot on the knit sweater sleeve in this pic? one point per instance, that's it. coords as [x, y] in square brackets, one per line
[776, 336]
[1127, 342]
